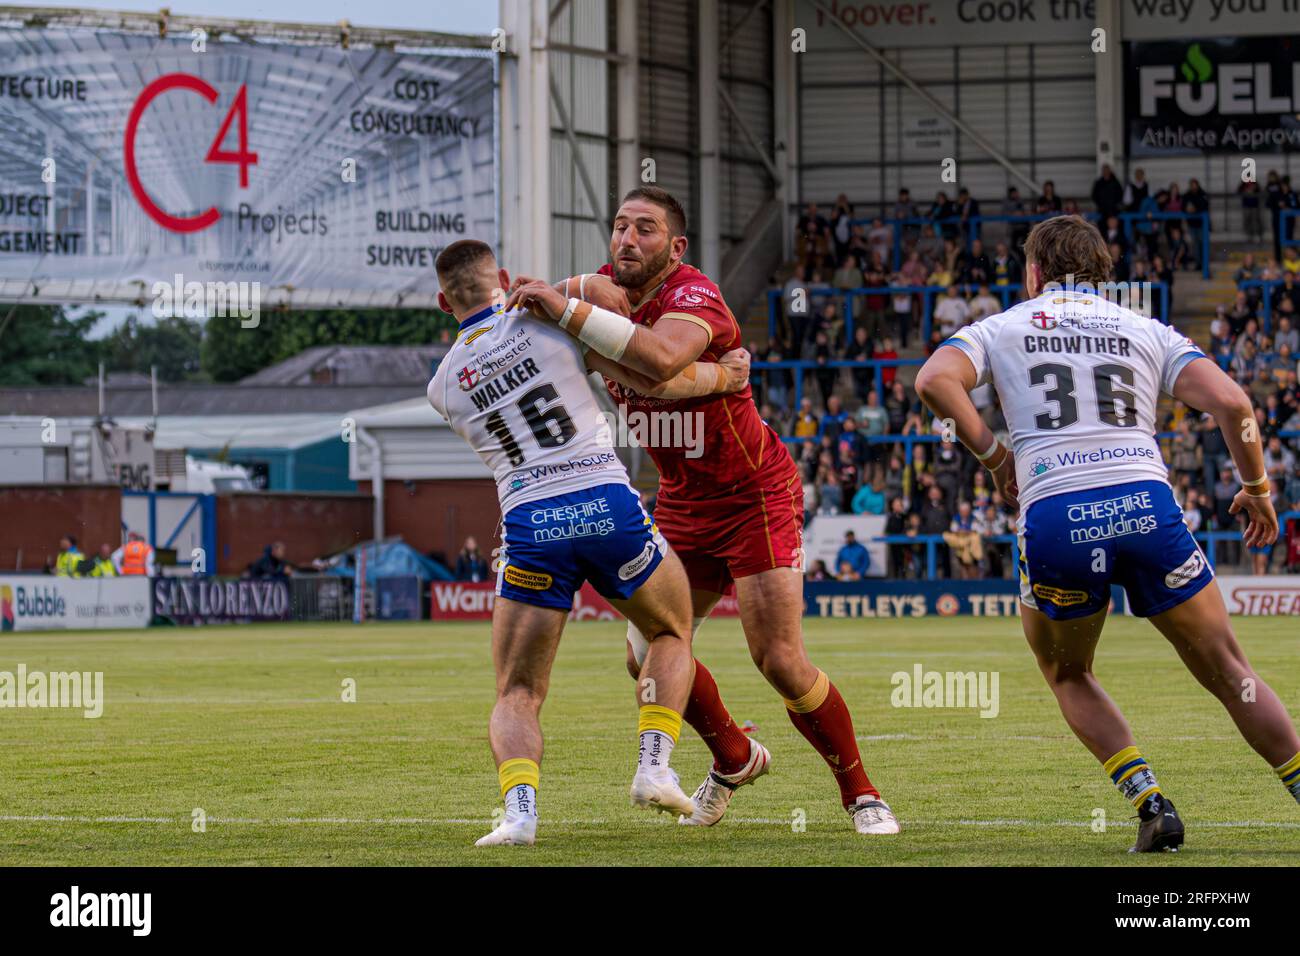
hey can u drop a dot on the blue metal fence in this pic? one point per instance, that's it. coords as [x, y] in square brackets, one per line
[933, 542]
[1009, 294]
[1129, 220]
[970, 226]
[1266, 299]
[800, 369]
[1284, 226]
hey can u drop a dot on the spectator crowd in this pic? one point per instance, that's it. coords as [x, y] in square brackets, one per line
[935, 487]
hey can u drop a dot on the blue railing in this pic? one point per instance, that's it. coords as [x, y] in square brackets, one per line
[1284, 227]
[1266, 300]
[928, 292]
[848, 296]
[933, 542]
[800, 369]
[1129, 218]
[971, 226]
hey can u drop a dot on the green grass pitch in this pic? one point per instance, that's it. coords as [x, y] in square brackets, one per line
[248, 724]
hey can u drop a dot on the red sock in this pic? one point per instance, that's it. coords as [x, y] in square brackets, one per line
[823, 718]
[708, 715]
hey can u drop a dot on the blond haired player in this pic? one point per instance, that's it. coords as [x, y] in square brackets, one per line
[1079, 379]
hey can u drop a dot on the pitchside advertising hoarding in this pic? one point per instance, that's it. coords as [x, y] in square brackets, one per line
[1239, 96]
[65, 604]
[161, 169]
[214, 601]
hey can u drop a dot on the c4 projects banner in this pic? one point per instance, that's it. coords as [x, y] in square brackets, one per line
[329, 175]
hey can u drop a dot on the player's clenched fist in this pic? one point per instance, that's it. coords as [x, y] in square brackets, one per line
[735, 364]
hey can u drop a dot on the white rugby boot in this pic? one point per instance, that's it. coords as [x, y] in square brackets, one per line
[515, 830]
[715, 793]
[871, 816]
[659, 789]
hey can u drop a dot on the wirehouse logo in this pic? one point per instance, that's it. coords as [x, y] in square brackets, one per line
[130, 910]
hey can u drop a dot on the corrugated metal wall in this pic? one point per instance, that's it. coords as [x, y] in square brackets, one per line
[745, 70]
[668, 127]
[579, 238]
[863, 132]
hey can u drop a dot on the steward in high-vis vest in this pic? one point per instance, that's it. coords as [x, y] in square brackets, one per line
[68, 563]
[135, 557]
[104, 567]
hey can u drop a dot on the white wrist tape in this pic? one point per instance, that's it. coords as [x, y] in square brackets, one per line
[992, 448]
[606, 332]
[568, 313]
[1256, 483]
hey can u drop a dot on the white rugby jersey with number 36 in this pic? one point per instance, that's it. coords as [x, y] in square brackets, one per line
[516, 389]
[1079, 379]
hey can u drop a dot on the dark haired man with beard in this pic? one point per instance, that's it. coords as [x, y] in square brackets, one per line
[733, 515]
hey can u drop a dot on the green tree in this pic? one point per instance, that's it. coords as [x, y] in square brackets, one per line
[171, 344]
[43, 345]
[231, 352]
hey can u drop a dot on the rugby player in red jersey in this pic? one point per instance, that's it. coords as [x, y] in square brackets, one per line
[734, 514]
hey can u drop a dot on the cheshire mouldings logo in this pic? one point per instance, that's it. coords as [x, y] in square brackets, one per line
[6, 608]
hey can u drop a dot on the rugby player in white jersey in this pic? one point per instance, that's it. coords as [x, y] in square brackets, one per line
[516, 390]
[1079, 379]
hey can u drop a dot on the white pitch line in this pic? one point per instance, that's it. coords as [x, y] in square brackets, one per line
[782, 822]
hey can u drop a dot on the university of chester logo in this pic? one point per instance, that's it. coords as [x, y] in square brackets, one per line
[468, 378]
[1043, 321]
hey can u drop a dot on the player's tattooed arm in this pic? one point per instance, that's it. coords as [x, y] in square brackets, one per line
[660, 353]
[944, 384]
[729, 374]
[1204, 386]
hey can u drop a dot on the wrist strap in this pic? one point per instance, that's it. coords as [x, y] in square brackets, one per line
[1001, 461]
[568, 313]
[1256, 483]
[1267, 494]
[992, 448]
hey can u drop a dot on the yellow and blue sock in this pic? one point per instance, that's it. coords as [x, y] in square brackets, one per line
[658, 728]
[1289, 774]
[519, 777]
[1129, 772]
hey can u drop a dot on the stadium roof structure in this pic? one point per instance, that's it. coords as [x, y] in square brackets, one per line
[245, 431]
[353, 365]
[240, 27]
[409, 413]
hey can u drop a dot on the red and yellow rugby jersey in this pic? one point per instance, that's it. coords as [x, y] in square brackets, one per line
[731, 448]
